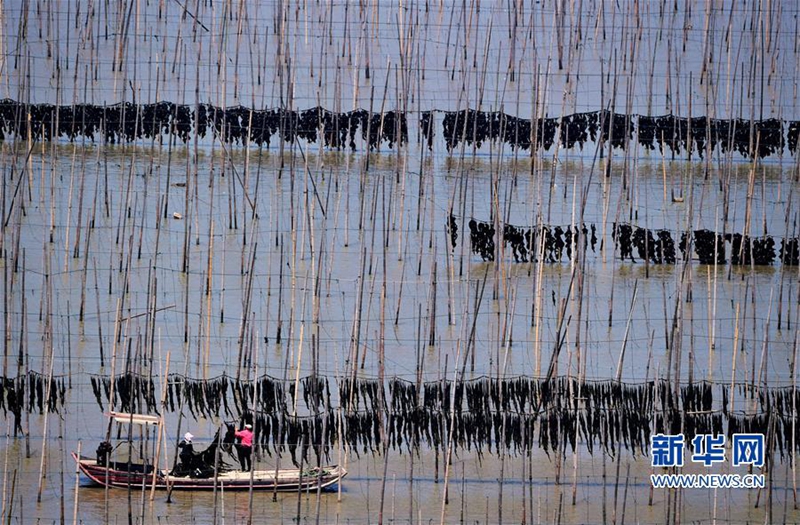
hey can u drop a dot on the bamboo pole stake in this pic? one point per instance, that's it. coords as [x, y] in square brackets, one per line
[794, 413]
[162, 423]
[44, 431]
[297, 369]
[62, 490]
[618, 375]
[256, 396]
[765, 345]
[77, 486]
[735, 352]
[5, 471]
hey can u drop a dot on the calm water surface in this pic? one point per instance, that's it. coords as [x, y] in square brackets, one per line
[313, 238]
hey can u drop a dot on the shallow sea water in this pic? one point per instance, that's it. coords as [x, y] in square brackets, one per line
[135, 181]
[188, 230]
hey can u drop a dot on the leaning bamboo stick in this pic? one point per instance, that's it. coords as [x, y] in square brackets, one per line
[618, 375]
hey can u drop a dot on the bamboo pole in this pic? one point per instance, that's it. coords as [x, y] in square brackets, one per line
[77, 486]
[164, 381]
[42, 461]
[5, 471]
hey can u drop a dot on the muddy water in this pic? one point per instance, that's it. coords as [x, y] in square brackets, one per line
[123, 189]
[316, 236]
[542, 58]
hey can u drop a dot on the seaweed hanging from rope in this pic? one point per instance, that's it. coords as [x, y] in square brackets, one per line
[645, 244]
[481, 236]
[354, 392]
[202, 397]
[623, 240]
[483, 414]
[272, 394]
[426, 125]
[316, 393]
[390, 127]
[526, 244]
[792, 135]
[403, 396]
[476, 127]
[516, 131]
[132, 392]
[709, 247]
[451, 227]
[616, 128]
[655, 246]
[790, 251]
[576, 128]
[702, 134]
[746, 250]
[29, 393]
[41, 397]
[304, 433]
[515, 238]
[490, 413]
[660, 250]
[13, 400]
[125, 122]
[339, 129]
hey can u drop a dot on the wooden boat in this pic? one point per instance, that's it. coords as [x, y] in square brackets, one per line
[124, 474]
[118, 475]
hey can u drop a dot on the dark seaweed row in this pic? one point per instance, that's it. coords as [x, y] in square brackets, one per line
[132, 392]
[765, 137]
[679, 134]
[410, 428]
[521, 413]
[207, 398]
[557, 430]
[28, 393]
[658, 249]
[521, 394]
[527, 243]
[709, 246]
[476, 127]
[656, 246]
[126, 122]
[280, 431]
[486, 414]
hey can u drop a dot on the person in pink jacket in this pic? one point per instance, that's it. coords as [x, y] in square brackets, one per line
[245, 447]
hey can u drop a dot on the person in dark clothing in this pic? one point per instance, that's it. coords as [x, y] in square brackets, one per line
[245, 448]
[103, 452]
[187, 451]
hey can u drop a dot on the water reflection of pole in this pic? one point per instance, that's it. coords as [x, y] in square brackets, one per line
[794, 407]
[381, 374]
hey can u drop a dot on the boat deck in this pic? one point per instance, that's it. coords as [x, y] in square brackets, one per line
[286, 479]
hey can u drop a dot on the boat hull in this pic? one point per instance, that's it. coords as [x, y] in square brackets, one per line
[138, 476]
